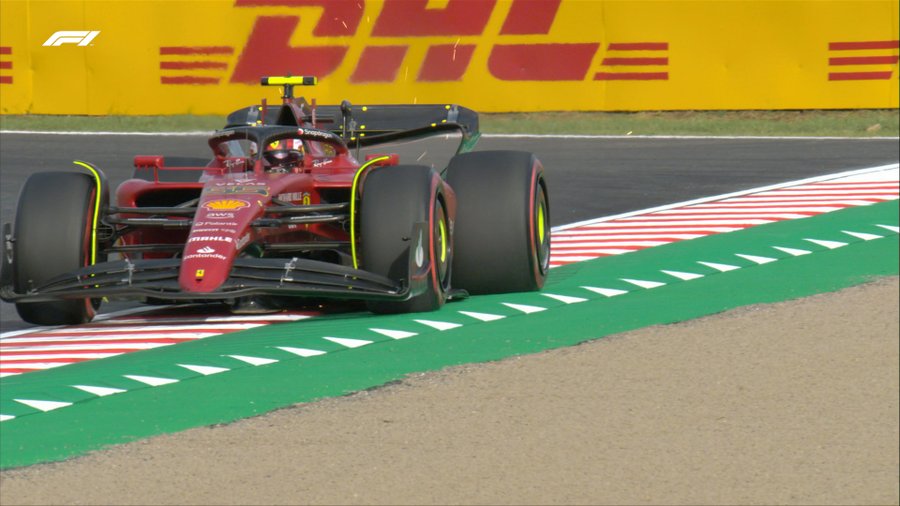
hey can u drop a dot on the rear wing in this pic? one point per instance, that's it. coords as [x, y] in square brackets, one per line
[358, 125]
[366, 125]
[381, 119]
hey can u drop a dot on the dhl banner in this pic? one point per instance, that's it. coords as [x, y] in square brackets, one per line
[206, 57]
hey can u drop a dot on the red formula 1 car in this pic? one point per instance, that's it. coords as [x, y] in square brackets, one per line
[285, 210]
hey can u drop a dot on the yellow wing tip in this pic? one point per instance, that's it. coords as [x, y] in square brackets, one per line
[292, 80]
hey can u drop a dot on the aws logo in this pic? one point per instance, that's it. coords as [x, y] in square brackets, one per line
[268, 49]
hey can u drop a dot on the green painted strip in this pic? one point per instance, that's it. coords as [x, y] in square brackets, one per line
[93, 422]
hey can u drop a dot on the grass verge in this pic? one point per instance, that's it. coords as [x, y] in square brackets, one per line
[840, 123]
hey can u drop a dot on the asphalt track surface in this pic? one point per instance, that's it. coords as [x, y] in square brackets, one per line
[588, 177]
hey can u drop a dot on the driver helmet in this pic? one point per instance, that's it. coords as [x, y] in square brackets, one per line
[284, 154]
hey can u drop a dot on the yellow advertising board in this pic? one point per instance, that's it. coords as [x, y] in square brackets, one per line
[206, 57]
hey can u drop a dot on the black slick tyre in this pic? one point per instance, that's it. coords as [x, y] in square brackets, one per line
[502, 230]
[393, 200]
[53, 229]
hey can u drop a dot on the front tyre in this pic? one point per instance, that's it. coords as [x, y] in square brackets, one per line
[393, 200]
[53, 235]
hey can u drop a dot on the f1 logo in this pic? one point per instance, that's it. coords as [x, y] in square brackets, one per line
[80, 37]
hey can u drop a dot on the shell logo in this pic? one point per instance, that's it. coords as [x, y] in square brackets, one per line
[226, 204]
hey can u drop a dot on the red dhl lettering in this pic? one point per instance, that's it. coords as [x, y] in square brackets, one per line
[846, 64]
[412, 18]
[268, 50]
[5, 64]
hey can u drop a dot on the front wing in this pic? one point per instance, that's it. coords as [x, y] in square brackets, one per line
[292, 277]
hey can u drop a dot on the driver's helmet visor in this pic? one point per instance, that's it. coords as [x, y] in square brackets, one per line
[295, 144]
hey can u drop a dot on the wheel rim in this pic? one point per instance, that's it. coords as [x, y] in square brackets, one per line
[541, 231]
[441, 246]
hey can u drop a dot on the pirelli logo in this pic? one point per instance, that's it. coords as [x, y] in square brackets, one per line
[397, 26]
[866, 60]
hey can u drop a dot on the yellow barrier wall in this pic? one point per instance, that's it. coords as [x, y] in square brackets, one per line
[205, 57]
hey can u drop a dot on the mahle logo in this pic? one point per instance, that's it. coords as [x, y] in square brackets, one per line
[79, 37]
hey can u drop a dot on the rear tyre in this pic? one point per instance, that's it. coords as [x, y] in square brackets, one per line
[53, 230]
[393, 200]
[502, 230]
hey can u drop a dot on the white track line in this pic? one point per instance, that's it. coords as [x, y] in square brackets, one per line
[703, 200]
[698, 137]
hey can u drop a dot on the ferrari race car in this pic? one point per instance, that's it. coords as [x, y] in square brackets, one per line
[284, 211]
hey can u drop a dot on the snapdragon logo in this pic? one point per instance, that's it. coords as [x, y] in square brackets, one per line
[79, 37]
